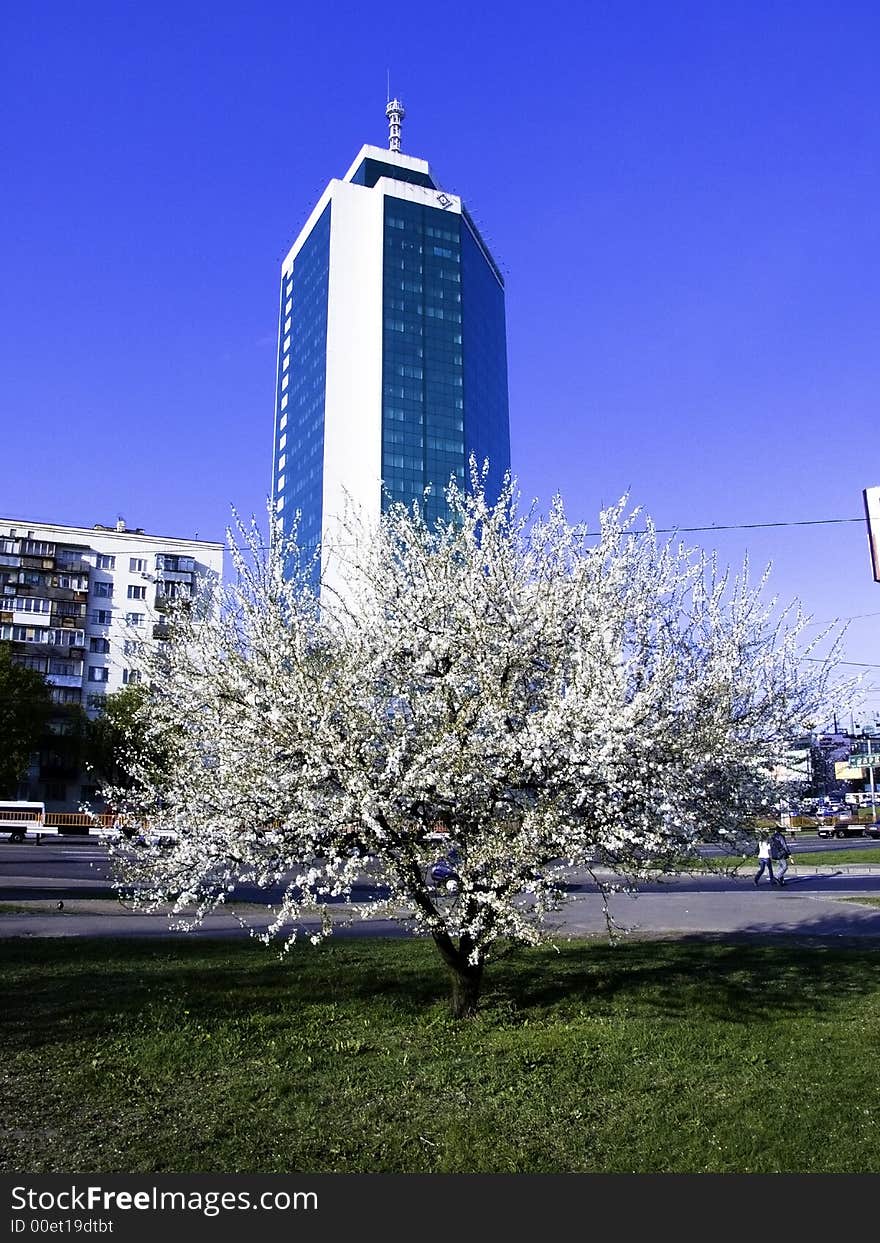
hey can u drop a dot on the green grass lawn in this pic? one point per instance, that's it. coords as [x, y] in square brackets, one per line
[126, 1056]
[866, 856]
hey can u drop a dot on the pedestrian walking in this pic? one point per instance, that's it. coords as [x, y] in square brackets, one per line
[765, 859]
[780, 854]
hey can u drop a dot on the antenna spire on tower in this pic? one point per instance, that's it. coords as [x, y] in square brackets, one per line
[395, 114]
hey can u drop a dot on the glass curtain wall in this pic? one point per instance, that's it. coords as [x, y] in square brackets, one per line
[302, 375]
[423, 371]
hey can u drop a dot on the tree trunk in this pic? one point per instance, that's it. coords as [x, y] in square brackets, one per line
[466, 977]
[466, 985]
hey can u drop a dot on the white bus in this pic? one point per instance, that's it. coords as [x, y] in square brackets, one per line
[22, 819]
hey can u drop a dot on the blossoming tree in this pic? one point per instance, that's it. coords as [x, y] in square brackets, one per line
[536, 696]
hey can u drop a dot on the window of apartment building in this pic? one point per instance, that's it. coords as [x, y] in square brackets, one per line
[134, 619]
[96, 699]
[68, 608]
[131, 677]
[65, 668]
[99, 645]
[37, 663]
[24, 634]
[174, 591]
[137, 593]
[66, 637]
[105, 561]
[175, 564]
[137, 565]
[29, 578]
[31, 604]
[132, 647]
[102, 617]
[65, 694]
[99, 673]
[71, 582]
[102, 587]
[37, 548]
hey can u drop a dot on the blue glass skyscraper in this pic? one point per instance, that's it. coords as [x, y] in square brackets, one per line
[392, 358]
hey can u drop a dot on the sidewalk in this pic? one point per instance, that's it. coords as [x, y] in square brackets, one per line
[817, 903]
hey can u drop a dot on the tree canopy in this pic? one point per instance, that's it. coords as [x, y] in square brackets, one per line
[116, 735]
[532, 694]
[25, 708]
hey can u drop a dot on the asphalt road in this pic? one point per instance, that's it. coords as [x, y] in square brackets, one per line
[815, 903]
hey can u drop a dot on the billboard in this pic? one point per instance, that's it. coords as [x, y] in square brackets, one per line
[872, 514]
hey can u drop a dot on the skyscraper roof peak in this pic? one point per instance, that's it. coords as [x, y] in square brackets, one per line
[395, 113]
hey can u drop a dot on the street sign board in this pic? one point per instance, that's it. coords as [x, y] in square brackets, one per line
[872, 515]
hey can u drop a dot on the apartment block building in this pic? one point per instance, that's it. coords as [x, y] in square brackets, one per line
[78, 604]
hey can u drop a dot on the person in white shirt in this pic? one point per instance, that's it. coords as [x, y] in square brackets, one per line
[765, 860]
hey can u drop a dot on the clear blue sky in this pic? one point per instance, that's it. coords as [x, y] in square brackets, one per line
[683, 195]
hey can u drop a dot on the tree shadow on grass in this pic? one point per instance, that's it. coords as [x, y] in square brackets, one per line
[738, 977]
[87, 988]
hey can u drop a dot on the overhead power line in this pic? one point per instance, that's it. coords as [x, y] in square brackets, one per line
[715, 526]
[859, 664]
[752, 526]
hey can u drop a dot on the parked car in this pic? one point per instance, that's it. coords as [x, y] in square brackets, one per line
[157, 837]
[873, 829]
[443, 870]
[108, 833]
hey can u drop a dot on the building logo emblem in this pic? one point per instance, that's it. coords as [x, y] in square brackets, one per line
[444, 200]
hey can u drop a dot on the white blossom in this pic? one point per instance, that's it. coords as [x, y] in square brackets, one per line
[546, 696]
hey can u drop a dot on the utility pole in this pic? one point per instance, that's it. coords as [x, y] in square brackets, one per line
[871, 779]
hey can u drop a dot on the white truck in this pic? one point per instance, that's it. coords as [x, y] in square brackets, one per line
[21, 819]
